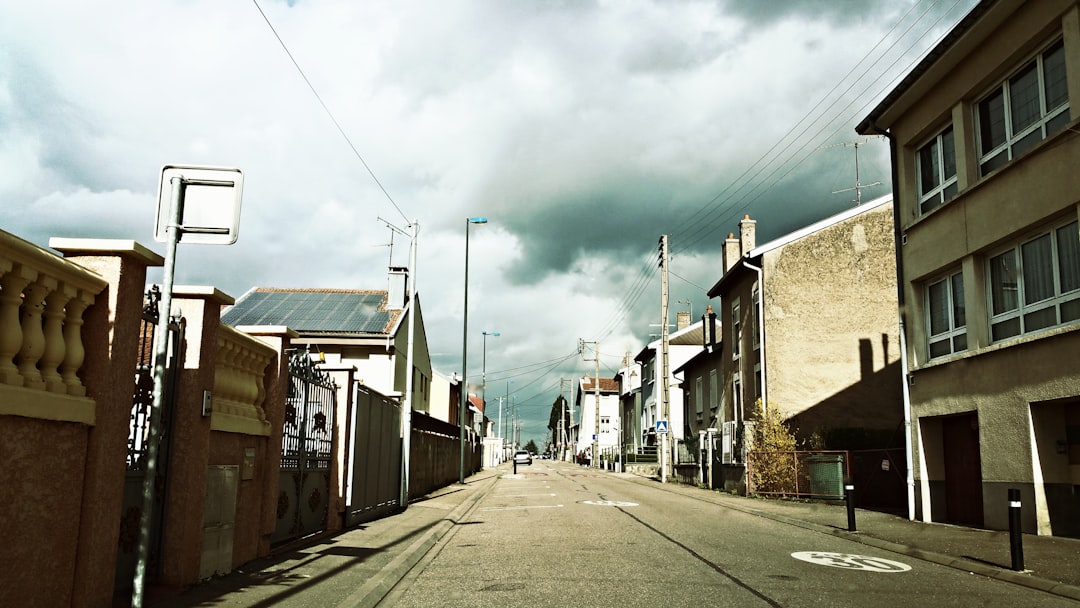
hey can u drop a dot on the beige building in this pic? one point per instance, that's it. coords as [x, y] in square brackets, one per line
[808, 324]
[985, 145]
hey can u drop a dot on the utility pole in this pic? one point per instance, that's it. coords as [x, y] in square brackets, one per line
[570, 410]
[594, 461]
[665, 373]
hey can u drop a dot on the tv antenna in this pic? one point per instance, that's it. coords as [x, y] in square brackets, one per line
[858, 188]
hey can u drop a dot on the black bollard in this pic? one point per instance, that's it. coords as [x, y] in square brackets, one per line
[849, 498]
[1016, 538]
[515, 465]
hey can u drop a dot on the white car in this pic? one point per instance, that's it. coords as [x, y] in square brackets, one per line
[522, 457]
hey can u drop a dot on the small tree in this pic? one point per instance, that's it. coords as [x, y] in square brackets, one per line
[771, 459]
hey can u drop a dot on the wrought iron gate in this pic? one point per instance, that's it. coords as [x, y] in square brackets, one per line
[138, 436]
[306, 449]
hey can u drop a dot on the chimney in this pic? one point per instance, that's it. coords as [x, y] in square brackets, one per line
[731, 252]
[682, 320]
[397, 294]
[747, 234]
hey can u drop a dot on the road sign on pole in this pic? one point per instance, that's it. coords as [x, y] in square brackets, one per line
[211, 198]
[661, 427]
[209, 202]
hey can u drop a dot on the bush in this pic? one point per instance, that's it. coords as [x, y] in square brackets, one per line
[772, 445]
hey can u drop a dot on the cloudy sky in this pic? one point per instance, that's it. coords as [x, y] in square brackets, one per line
[583, 130]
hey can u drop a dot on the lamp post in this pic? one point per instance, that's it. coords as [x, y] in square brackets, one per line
[465, 348]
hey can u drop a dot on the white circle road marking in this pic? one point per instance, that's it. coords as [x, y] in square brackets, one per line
[609, 503]
[851, 562]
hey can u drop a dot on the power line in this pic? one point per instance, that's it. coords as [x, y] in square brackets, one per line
[328, 112]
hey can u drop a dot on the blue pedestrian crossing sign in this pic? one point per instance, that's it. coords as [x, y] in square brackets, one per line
[661, 427]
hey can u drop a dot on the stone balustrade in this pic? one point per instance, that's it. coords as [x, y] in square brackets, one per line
[42, 301]
[239, 388]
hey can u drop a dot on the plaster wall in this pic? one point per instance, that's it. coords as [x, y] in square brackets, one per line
[831, 331]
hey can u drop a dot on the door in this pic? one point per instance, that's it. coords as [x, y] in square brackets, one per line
[963, 469]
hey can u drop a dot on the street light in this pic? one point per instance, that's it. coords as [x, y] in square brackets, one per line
[465, 348]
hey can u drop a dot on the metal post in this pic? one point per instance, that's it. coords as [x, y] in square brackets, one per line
[1016, 537]
[464, 358]
[849, 498]
[406, 410]
[161, 343]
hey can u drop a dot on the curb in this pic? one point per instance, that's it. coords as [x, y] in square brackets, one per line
[378, 586]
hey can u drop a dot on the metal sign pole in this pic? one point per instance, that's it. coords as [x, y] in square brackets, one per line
[161, 342]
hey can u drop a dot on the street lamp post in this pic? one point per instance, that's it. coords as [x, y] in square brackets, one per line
[465, 349]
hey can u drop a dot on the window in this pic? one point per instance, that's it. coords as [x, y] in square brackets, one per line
[698, 397]
[736, 330]
[713, 402]
[756, 297]
[1027, 108]
[936, 171]
[946, 316]
[605, 424]
[1036, 284]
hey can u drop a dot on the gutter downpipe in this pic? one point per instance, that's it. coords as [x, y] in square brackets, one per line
[761, 330]
[901, 311]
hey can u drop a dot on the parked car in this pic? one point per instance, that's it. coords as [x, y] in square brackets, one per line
[522, 457]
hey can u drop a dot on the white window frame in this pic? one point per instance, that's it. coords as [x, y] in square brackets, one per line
[1049, 120]
[1021, 318]
[954, 336]
[941, 153]
[605, 424]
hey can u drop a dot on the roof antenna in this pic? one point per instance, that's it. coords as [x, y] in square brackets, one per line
[858, 186]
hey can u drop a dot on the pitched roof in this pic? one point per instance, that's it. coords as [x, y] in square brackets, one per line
[606, 385]
[315, 311]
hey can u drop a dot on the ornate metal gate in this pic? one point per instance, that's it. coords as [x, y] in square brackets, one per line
[306, 449]
[138, 435]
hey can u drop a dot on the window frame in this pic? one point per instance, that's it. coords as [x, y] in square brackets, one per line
[955, 335]
[1020, 313]
[1015, 140]
[736, 330]
[945, 185]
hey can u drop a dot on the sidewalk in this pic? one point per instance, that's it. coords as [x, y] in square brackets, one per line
[356, 568]
[352, 568]
[1052, 564]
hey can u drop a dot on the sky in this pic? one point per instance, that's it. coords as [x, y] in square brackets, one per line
[582, 130]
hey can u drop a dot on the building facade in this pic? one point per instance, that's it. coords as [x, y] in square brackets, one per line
[984, 139]
[808, 325]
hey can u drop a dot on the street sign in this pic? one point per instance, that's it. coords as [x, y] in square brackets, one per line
[209, 204]
[661, 427]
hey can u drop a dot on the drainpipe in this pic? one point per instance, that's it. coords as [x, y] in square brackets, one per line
[761, 330]
[901, 312]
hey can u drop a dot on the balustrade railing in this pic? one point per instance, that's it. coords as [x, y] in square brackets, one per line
[42, 301]
[239, 383]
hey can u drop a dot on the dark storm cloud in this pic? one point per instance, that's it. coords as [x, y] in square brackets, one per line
[761, 12]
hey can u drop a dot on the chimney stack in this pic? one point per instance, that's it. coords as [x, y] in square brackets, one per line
[397, 294]
[731, 252]
[747, 234]
[682, 320]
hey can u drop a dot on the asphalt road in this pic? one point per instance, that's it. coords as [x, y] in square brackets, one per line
[557, 534]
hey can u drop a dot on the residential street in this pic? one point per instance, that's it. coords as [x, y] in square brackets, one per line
[557, 534]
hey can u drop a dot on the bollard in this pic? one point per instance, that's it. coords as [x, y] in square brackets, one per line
[849, 498]
[1016, 538]
[515, 466]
